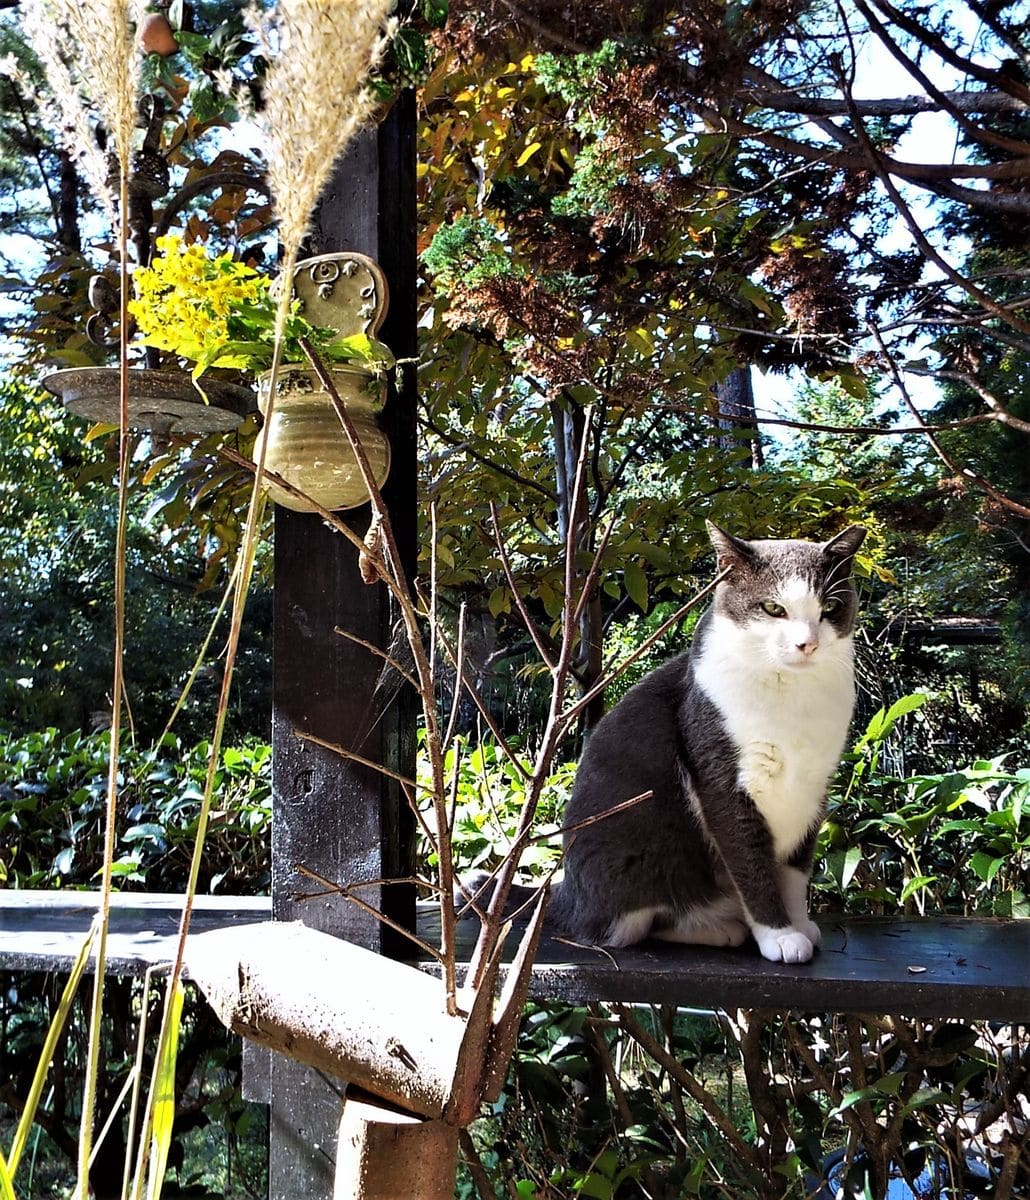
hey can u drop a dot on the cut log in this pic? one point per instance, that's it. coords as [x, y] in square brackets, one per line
[347, 1011]
[388, 1155]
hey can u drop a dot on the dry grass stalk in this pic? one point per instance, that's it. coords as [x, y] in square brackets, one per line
[321, 52]
[87, 49]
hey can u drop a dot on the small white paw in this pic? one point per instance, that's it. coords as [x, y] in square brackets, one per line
[783, 945]
[810, 929]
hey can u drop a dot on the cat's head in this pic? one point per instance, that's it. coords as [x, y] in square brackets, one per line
[791, 602]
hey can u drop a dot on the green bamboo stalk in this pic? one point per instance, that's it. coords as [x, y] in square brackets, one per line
[137, 1072]
[28, 1113]
[248, 552]
[117, 691]
[6, 1183]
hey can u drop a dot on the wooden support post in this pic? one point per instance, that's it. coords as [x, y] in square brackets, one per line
[345, 822]
[389, 1155]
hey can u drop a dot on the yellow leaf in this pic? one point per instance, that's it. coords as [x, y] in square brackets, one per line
[528, 153]
[6, 1186]
[98, 431]
[163, 1084]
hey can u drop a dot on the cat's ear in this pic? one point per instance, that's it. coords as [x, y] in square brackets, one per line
[846, 544]
[729, 550]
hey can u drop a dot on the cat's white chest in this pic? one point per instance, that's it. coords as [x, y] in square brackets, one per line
[788, 729]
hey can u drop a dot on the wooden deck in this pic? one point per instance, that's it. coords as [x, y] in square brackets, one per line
[963, 968]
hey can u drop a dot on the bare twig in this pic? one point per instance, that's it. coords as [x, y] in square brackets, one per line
[883, 168]
[698, 1093]
[968, 473]
[347, 891]
[484, 711]
[423, 669]
[509, 575]
[379, 652]
[571, 713]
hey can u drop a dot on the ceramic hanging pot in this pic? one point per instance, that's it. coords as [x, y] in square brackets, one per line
[306, 443]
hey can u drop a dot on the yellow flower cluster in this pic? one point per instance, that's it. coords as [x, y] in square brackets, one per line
[184, 301]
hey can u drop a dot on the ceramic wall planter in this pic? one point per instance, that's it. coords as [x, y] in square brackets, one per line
[307, 445]
[302, 437]
[160, 402]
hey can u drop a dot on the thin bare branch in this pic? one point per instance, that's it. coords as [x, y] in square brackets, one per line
[883, 168]
[347, 892]
[699, 1094]
[379, 652]
[890, 44]
[998, 411]
[410, 785]
[968, 473]
[509, 575]
[570, 714]
[576, 826]
[595, 569]
[789, 100]
[424, 670]
[458, 674]
[484, 712]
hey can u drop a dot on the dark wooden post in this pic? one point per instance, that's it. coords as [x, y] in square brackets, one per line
[343, 821]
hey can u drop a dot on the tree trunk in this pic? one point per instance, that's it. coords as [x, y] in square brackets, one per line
[570, 429]
[737, 412]
[68, 233]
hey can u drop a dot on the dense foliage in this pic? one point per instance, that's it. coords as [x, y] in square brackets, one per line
[641, 226]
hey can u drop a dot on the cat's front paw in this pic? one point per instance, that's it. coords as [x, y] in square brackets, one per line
[810, 929]
[784, 945]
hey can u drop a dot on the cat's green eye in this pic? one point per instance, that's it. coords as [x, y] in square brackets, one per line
[773, 609]
[831, 607]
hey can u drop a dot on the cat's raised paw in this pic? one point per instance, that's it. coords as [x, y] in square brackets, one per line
[784, 945]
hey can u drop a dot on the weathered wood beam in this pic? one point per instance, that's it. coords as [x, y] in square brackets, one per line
[345, 822]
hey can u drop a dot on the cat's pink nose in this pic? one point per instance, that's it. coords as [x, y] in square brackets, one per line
[809, 647]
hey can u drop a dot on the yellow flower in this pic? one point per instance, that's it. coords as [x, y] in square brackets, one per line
[185, 300]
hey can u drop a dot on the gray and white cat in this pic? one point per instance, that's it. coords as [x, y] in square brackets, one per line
[737, 740]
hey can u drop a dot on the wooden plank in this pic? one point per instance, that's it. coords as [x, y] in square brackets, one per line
[960, 967]
[973, 968]
[347, 823]
[43, 931]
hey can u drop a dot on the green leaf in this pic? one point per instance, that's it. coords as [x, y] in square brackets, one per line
[915, 885]
[759, 297]
[636, 584]
[594, 1185]
[850, 1099]
[434, 12]
[985, 866]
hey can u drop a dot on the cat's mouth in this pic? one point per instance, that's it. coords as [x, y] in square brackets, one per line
[797, 661]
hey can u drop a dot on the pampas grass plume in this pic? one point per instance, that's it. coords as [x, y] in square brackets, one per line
[321, 53]
[88, 52]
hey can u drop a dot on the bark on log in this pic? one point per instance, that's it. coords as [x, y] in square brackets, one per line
[377, 1023]
[388, 1155]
